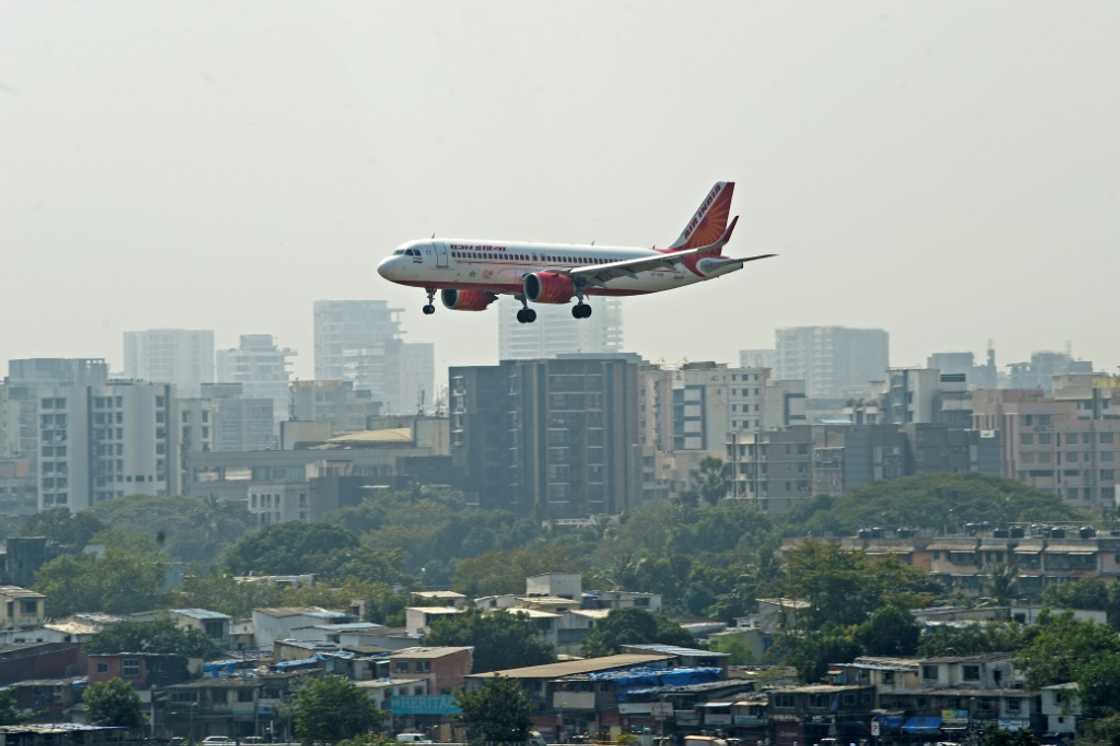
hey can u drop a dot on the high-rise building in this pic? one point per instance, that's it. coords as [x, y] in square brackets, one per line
[342, 325]
[758, 358]
[556, 333]
[399, 375]
[93, 439]
[984, 376]
[335, 403]
[241, 422]
[835, 362]
[1039, 373]
[181, 357]
[262, 368]
[553, 438]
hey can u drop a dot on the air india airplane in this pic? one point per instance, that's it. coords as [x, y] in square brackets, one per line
[470, 275]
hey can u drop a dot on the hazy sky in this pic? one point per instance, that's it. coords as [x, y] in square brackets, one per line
[945, 170]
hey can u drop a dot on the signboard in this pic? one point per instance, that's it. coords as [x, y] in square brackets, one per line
[875, 728]
[661, 710]
[639, 708]
[1014, 724]
[435, 704]
[717, 718]
[954, 717]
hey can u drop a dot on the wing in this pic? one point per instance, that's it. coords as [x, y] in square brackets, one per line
[600, 274]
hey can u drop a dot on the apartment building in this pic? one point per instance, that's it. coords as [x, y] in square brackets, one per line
[261, 367]
[181, 357]
[835, 362]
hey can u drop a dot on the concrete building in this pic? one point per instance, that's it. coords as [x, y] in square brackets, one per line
[553, 438]
[927, 395]
[262, 368]
[774, 467]
[984, 376]
[21, 608]
[336, 403]
[758, 358]
[1069, 446]
[399, 375]
[181, 357]
[342, 325]
[711, 400]
[835, 362]
[90, 438]
[19, 494]
[274, 624]
[556, 333]
[1043, 366]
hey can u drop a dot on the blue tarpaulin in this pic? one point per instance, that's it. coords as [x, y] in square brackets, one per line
[649, 678]
[922, 725]
[891, 722]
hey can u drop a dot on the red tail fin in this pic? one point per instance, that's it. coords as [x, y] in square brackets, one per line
[710, 221]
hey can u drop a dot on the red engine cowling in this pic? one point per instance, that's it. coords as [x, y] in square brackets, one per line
[466, 300]
[548, 287]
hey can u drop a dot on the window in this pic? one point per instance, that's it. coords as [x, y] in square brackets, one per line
[929, 673]
[130, 668]
[1014, 705]
[971, 673]
[102, 668]
[244, 695]
[1026, 439]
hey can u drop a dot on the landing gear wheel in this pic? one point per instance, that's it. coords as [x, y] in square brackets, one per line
[429, 309]
[581, 311]
[526, 316]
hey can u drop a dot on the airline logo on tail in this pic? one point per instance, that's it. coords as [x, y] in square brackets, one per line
[710, 221]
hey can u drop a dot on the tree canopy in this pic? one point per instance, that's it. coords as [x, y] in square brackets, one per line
[633, 627]
[1059, 646]
[498, 712]
[941, 502]
[331, 708]
[115, 703]
[152, 637]
[123, 581]
[59, 525]
[187, 529]
[889, 631]
[500, 640]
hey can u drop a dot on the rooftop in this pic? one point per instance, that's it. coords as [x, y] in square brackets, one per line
[675, 650]
[438, 594]
[531, 613]
[14, 591]
[433, 610]
[287, 611]
[383, 683]
[374, 437]
[200, 614]
[787, 603]
[823, 689]
[573, 668]
[54, 728]
[423, 652]
[979, 658]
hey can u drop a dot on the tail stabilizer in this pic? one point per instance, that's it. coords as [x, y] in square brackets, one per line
[708, 225]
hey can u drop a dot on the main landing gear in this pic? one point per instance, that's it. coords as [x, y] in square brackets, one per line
[430, 308]
[581, 311]
[525, 315]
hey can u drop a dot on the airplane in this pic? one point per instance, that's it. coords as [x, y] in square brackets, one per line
[470, 275]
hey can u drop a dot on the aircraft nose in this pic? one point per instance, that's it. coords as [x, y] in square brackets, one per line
[384, 266]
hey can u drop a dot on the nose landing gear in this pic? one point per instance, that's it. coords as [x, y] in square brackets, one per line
[430, 308]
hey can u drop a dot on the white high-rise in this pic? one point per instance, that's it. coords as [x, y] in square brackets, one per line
[835, 362]
[181, 357]
[262, 368]
[555, 332]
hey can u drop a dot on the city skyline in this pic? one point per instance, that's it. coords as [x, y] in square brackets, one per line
[982, 150]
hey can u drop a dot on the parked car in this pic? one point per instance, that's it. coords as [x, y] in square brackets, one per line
[413, 738]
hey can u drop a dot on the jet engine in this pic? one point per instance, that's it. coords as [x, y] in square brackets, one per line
[548, 287]
[466, 300]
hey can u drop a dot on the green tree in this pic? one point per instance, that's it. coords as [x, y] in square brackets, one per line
[889, 631]
[289, 549]
[120, 582]
[1000, 737]
[9, 713]
[59, 525]
[152, 637]
[633, 627]
[1061, 645]
[496, 713]
[331, 708]
[1097, 594]
[843, 587]
[505, 571]
[926, 501]
[812, 653]
[188, 529]
[500, 640]
[115, 703]
[973, 640]
[1098, 680]
[709, 484]
[1103, 731]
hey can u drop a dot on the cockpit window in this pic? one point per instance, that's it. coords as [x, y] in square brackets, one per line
[398, 252]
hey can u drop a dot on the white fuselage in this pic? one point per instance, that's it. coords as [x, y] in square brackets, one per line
[500, 266]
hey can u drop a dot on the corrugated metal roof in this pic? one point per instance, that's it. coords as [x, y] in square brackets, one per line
[573, 668]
